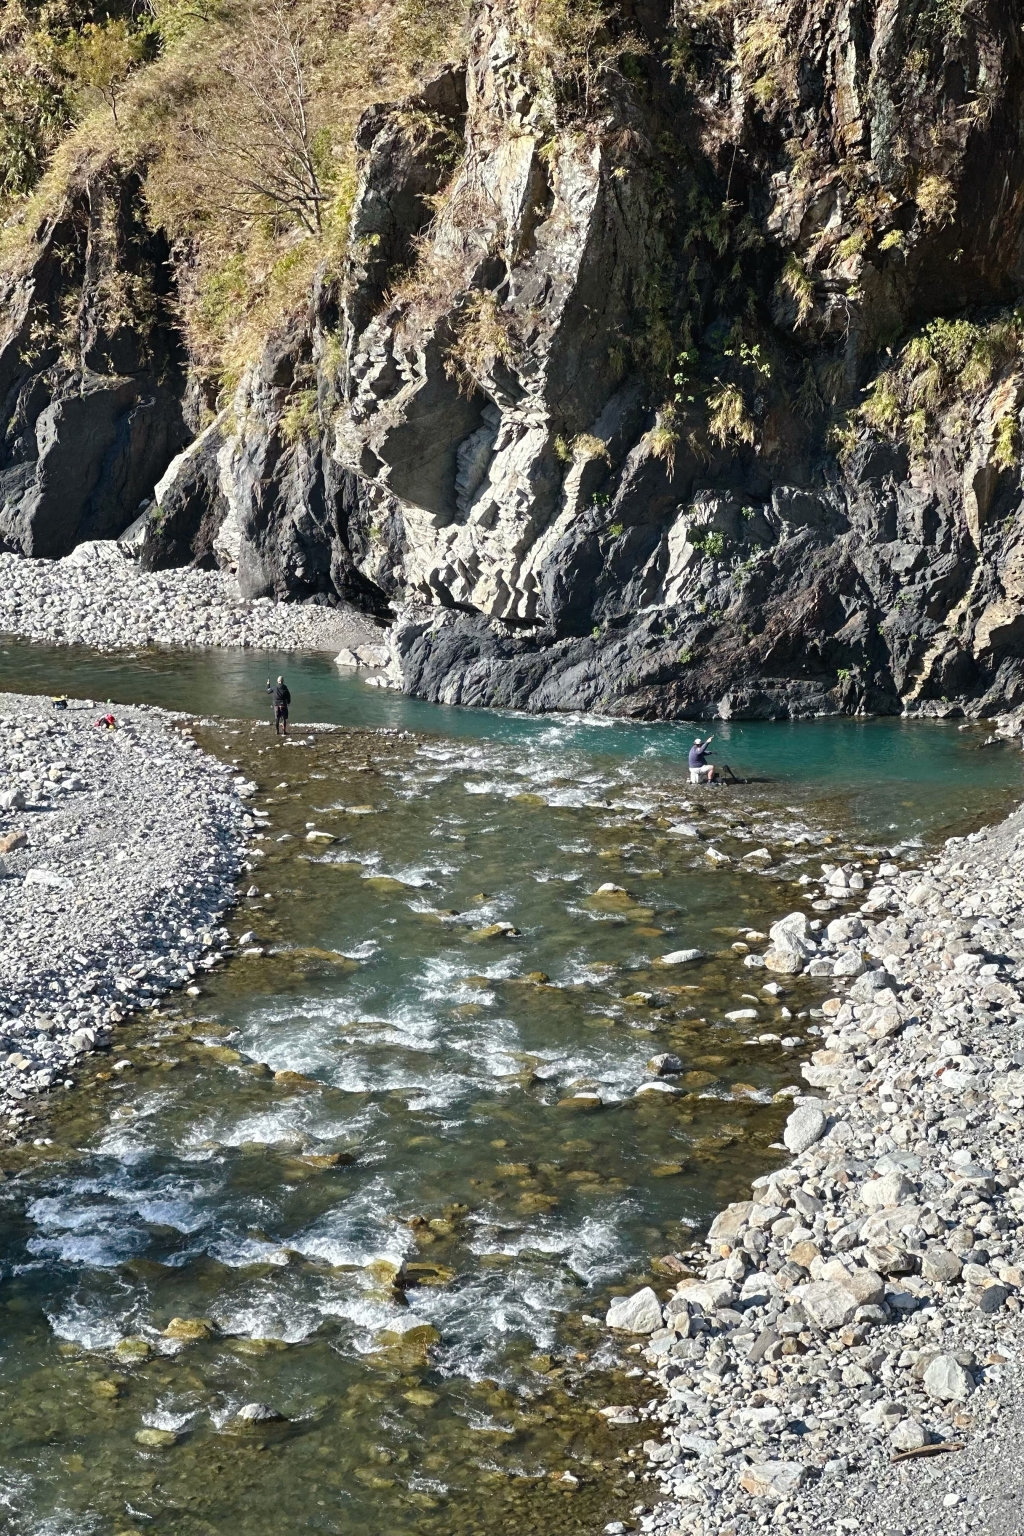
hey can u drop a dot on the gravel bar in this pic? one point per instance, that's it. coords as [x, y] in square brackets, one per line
[865, 1304]
[118, 855]
[100, 597]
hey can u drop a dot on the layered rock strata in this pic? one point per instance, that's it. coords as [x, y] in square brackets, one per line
[675, 375]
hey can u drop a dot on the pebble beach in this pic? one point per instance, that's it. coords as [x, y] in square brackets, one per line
[841, 1354]
[118, 854]
[98, 596]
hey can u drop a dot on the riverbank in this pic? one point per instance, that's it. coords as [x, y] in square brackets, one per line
[865, 1304]
[118, 854]
[99, 597]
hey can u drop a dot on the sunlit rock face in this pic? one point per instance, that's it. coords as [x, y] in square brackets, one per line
[680, 380]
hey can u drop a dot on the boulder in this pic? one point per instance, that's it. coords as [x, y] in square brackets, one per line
[259, 1413]
[731, 1222]
[842, 929]
[947, 1381]
[188, 1329]
[889, 1191]
[154, 1439]
[665, 1065]
[773, 1479]
[868, 984]
[709, 1295]
[639, 1313]
[784, 962]
[909, 1435]
[681, 957]
[792, 929]
[827, 1303]
[992, 1297]
[805, 1126]
[940, 1264]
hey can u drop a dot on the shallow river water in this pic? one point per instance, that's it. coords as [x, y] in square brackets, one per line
[399, 1243]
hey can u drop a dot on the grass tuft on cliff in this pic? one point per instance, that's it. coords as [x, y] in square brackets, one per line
[240, 118]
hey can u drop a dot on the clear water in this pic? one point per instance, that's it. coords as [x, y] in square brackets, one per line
[891, 777]
[398, 1245]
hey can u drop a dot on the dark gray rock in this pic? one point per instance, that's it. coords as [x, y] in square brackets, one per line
[92, 373]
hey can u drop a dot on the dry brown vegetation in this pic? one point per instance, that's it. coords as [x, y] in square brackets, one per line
[243, 126]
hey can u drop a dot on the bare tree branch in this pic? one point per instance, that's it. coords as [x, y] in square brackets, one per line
[262, 139]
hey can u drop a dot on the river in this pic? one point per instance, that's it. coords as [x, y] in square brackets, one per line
[400, 1244]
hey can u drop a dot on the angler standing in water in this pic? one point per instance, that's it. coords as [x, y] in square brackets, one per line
[282, 699]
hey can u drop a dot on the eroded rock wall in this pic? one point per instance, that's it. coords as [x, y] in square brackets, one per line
[673, 375]
[93, 378]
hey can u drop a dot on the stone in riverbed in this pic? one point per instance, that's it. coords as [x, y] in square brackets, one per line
[909, 1435]
[842, 929]
[946, 1380]
[730, 1222]
[827, 1303]
[639, 1313]
[681, 957]
[188, 1329]
[992, 1297]
[773, 1479]
[891, 1190]
[940, 1264]
[866, 985]
[11, 841]
[665, 1065]
[258, 1413]
[784, 962]
[133, 1349]
[805, 1126]
[153, 1438]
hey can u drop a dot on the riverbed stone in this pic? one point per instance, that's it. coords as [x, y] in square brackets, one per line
[259, 1413]
[908, 1435]
[773, 1479]
[784, 962]
[805, 1126]
[947, 1381]
[827, 1303]
[156, 1439]
[940, 1264]
[639, 1313]
[891, 1190]
[681, 957]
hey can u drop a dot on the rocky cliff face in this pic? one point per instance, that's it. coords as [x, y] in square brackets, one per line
[673, 371]
[93, 380]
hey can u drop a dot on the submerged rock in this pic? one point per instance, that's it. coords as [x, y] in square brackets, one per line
[156, 1438]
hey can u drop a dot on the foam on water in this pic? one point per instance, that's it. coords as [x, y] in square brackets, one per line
[474, 1193]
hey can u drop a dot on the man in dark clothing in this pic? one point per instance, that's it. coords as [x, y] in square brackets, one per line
[701, 771]
[282, 699]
